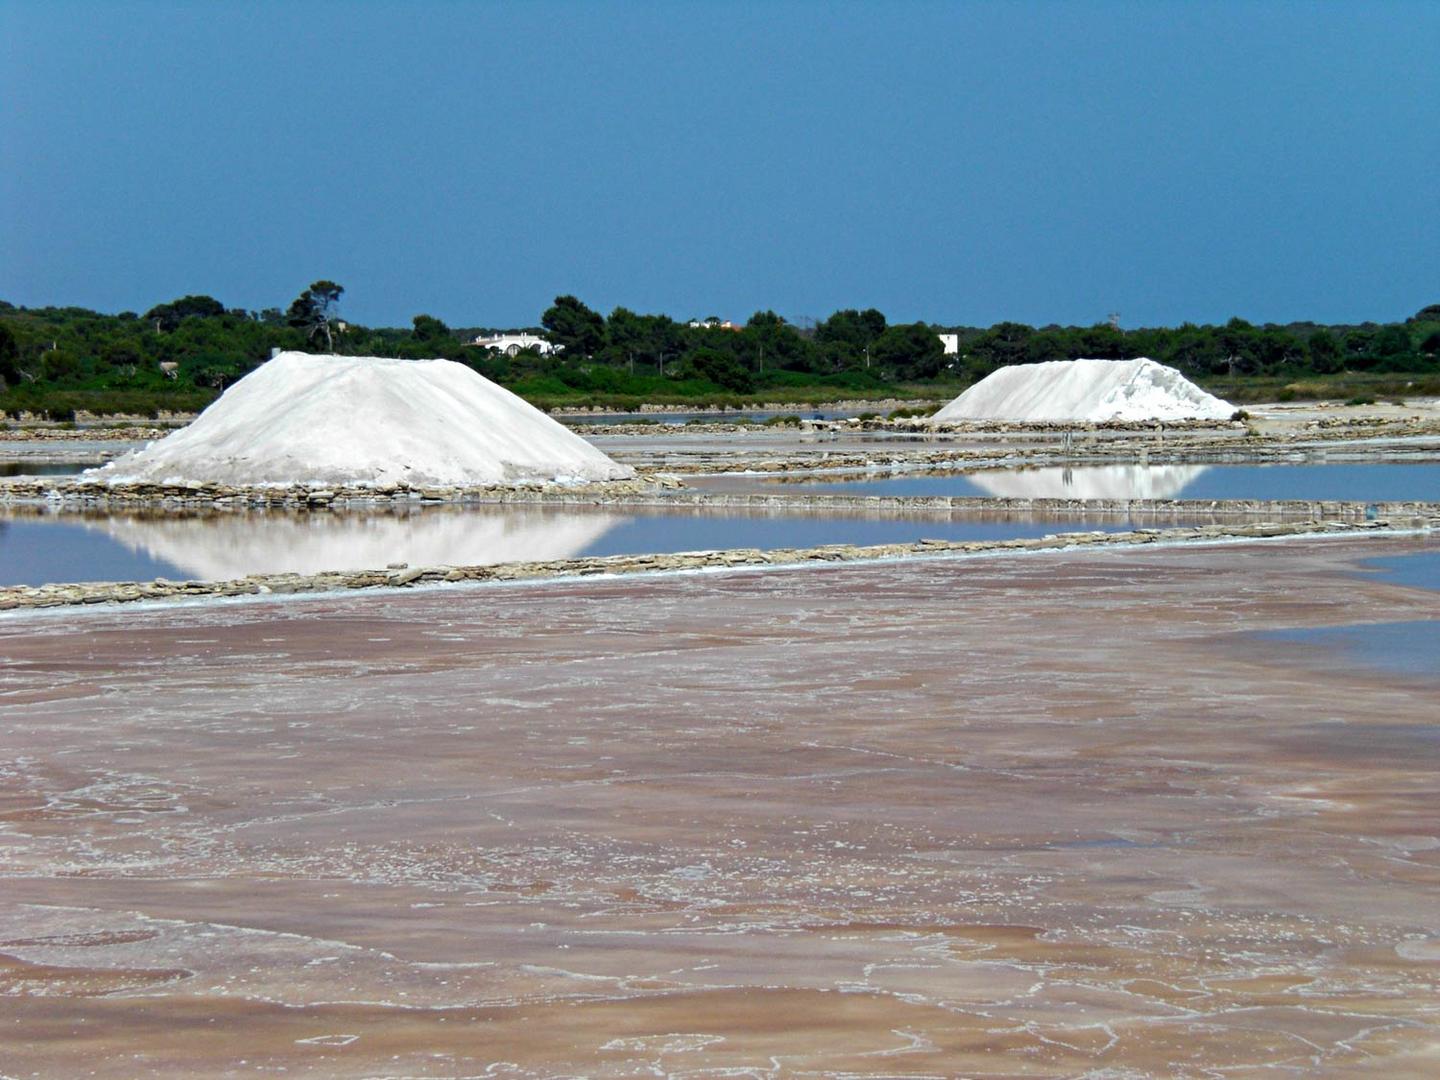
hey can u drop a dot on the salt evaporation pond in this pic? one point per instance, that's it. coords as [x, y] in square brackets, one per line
[1368, 482]
[37, 550]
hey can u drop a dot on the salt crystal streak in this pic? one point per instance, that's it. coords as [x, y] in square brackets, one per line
[1087, 391]
[367, 421]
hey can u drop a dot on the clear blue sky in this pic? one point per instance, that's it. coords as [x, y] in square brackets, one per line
[958, 163]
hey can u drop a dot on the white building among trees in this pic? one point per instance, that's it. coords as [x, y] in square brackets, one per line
[510, 344]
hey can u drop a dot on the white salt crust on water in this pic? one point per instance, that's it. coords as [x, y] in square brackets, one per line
[368, 421]
[1086, 391]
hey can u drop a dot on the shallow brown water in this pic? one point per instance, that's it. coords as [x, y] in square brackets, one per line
[1042, 816]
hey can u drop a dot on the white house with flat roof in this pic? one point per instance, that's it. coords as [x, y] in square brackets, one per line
[510, 344]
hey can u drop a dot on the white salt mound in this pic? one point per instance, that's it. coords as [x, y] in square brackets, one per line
[1085, 390]
[362, 420]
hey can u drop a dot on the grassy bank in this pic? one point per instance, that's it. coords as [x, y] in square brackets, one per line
[546, 393]
[1346, 386]
[799, 397]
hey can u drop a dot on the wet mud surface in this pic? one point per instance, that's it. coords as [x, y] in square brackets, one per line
[1044, 816]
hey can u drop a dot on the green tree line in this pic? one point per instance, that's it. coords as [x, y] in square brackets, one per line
[181, 353]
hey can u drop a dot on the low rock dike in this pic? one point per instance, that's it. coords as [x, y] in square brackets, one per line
[67, 493]
[108, 433]
[81, 492]
[1283, 519]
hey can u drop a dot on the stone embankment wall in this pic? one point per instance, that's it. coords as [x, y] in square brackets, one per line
[69, 492]
[122, 433]
[399, 576]
[1253, 509]
[1335, 427]
[917, 457]
[844, 405]
[823, 446]
[1341, 426]
[65, 493]
[908, 426]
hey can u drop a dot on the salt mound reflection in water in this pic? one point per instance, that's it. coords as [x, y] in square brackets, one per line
[217, 548]
[1089, 481]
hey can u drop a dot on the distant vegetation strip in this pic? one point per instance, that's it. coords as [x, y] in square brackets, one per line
[178, 356]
